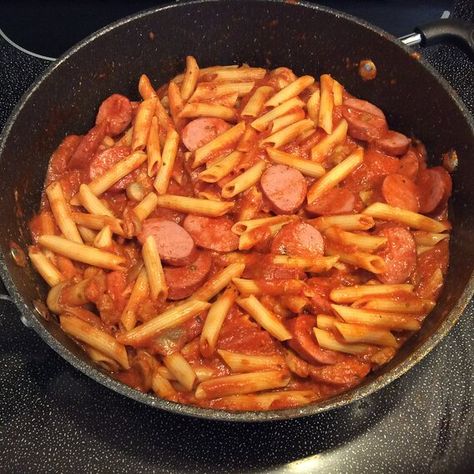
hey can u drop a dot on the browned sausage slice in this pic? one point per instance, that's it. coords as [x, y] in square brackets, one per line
[88, 145]
[399, 254]
[298, 239]
[366, 121]
[305, 344]
[174, 243]
[348, 372]
[184, 281]
[399, 191]
[284, 187]
[212, 233]
[116, 113]
[334, 201]
[431, 189]
[409, 165]
[201, 131]
[393, 143]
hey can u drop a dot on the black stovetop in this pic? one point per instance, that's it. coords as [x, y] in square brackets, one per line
[54, 419]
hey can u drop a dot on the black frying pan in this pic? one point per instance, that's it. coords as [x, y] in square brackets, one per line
[306, 38]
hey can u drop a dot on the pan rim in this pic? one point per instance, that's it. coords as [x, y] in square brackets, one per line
[97, 375]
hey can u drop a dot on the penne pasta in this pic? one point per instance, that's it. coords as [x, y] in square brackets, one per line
[203, 109]
[219, 281]
[82, 253]
[164, 121]
[244, 181]
[395, 321]
[102, 360]
[262, 122]
[265, 401]
[290, 91]
[428, 238]
[327, 341]
[313, 107]
[326, 104]
[355, 333]
[242, 383]
[190, 78]
[337, 92]
[176, 104]
[104, 238]
[221, 168]
[96, 338]
[247, 140]
[366, 243]
[256, 287]
[414, 220]
[92, 203]
[153, 148]
[146, 206]
[205, 71]
[163, 388]
[295, 303]
[172, 317]
[335, 175]
[142, 123]
[349, 294]
[168, 157]
[91, 221]
[140, 291]
[405, 306]
[214, 320]
[367, 261]
[329, 142]
[203, 207]
[50, 274]
[154, 269]
[252, 237]
[210, 90]
[250, 363]
[264, 317]
[314, 264]
[345, 222]
[326, 322]
[307, 167]
[256, 102]
[243, 73]
[285, 120]
[180, 369]
[288, 134]
[241, 227]
[223, 142]
[145, 88]
[61, 212]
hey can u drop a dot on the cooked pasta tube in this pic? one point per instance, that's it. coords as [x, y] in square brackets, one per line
[172, 317]
[313, 106]
[203, 109]
[219, 281]
[324, 321]
[295, 303]
[326, 104]
[104, 238]
[94, 337]
[285, 120]
[395, 321]
[242, 383]
[290, 91]
[163, 387]
[126, 139]
[410, 306]
[191, 76]
[102, 360]
[61, 212]
[92, 203]
[103, 182]
[205, 71]
[154, 269]
[142, 123]
[355, 333]
[248, 140]
[264, 401]
[367, 261]
[246, 225]
[428, 238]
[88, 235]
[180, 369]
[345, 222]
[214, 320]
[164, 120]
[176, 104]
[170, 149]
[256, 103]
[328, 341]
[252, 237]
[367, 243]
[148, 204]
[50, 274]
[140, 291]
[221, 168]
[220, 144]
[244, 181]
[92, 221]
[153, 148]
[288, 134]
[414, 220]
[335, 175]
[314, 264]
[262, 122]
[349, 294]
[145, 88]
[264, 317]
[210, 90]
[256, 287]
[329, 142]
[203, 207]
[243, 73]
[250, 363]
[307, 167]
[337, 92]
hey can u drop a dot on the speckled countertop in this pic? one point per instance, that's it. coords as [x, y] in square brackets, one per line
[54, 419]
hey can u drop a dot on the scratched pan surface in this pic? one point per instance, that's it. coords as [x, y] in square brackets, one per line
[308, 39]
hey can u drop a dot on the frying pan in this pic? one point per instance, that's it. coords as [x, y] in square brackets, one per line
[307, 38]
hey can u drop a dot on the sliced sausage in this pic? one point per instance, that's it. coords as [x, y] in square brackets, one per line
[284, 187]
[116, 113]
[409, 165]
[298, 239]
[213, 233]
[304, 343]
[399, 191]
[334, 201]
[399, 254]
[393, 143]
[88, 145]
[349, 372]
[431, 189]
[447, 181]
[201, 131]
[184, 281]
[104, 160]
[366, 121]
[174, 243]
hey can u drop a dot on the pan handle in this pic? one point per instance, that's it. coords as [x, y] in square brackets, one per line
[455, 31]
